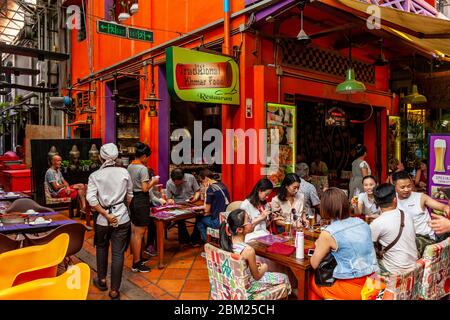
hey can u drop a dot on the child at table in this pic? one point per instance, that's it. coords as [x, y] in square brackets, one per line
[232, 236]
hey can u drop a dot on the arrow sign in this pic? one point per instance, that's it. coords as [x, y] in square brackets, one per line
[111, 28]
[140, 34]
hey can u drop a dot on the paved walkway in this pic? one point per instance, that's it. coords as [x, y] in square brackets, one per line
[184, 278]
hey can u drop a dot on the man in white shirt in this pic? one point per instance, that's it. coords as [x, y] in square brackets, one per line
[415, 204]
[386, 228]
[110, 191]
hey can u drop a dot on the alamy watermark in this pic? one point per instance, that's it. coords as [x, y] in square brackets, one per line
[228, 148]
[73, 17]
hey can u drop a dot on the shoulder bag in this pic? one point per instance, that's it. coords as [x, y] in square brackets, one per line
[379, 250]
[323, 276]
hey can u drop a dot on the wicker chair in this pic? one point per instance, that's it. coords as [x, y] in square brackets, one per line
[59, 203]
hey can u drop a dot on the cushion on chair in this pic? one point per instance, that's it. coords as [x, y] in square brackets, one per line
[436, 276]
[405, 286]
[230, 278]
[50, 200]
[227, 277]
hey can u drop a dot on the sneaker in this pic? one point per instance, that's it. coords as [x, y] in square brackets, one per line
[100, 284]
[140, 267]
[151, 251]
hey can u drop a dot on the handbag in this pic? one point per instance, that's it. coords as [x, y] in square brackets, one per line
[323, 276]
[379, 250]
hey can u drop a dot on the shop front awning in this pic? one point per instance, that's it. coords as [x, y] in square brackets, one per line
[428, 34]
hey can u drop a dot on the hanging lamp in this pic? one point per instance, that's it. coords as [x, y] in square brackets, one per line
[152, 99]
[134, 7]
[415, 97]
[381, 60]
[350, 85]
[124, 15]
[302, 37]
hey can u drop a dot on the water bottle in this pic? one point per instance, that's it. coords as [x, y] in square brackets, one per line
[299, 245]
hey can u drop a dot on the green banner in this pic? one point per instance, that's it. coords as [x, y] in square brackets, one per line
[202, 77]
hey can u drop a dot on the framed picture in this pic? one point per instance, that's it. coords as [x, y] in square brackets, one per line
[281, 124]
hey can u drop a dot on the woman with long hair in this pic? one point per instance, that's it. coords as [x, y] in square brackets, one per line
[420, 179]
[258, 209]
[366, 199]
[394, 166]
[360, 169]
[233, 233]
[289, 203]
[349, 241]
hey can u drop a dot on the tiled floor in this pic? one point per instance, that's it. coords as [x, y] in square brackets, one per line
[184, 278]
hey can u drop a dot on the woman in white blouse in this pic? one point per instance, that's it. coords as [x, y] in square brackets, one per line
[288, 205]
[258, 209]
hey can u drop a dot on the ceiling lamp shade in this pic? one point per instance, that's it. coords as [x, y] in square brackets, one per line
[415, 97]
[350, 85]
[123, 16]
[134, 8]
[302, 37]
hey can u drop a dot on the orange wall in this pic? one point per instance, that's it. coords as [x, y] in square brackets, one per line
[258, 81]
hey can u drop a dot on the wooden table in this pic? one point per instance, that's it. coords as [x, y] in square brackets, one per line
[58, 219]
[300, 268]
[161, 224]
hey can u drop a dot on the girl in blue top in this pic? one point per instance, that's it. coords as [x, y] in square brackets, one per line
[349, 240]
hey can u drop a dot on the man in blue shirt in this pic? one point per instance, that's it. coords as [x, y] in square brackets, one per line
[216, 200]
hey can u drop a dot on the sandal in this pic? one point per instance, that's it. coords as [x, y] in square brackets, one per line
[114, 296]
[100, 285]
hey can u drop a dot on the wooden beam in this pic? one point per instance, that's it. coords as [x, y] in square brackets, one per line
[30, 52]
[19, 71]
[4, 85]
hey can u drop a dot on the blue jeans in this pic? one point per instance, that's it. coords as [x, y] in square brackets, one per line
[207, 221]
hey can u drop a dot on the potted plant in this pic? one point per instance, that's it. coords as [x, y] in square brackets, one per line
[65, 165]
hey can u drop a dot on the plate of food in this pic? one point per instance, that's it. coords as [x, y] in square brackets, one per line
[40, 220]
[12, 218]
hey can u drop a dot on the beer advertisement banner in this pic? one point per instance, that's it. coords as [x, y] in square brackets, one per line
[439, 165]
[202, 77]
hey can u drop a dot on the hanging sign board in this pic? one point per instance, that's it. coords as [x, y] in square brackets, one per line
[336, 117]
[202, 77]
[438, 165]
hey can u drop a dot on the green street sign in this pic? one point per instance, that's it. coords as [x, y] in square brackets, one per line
[140, 34]
[111, 28]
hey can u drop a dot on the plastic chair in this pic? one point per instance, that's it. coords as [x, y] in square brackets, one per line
[233, 206]
[24, 204]
[76, 232]
[30, 263]
[8, 244]
[71, 285]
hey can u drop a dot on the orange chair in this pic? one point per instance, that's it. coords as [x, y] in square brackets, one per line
[30, 263]
[71, 285]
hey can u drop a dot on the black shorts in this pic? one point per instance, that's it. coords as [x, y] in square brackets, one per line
[140, 209]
